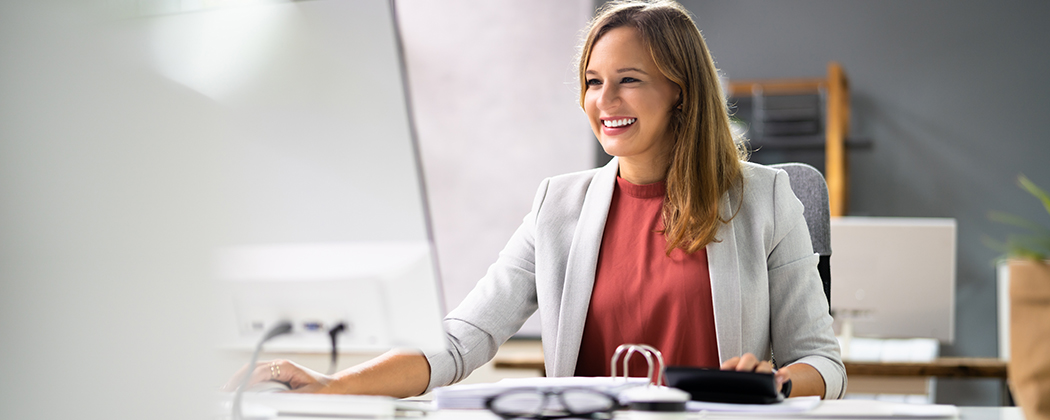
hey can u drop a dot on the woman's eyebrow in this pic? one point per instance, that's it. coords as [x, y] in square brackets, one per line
[630, 69]
[623, 70]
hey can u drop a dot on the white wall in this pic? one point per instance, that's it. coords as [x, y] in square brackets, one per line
[494, 95]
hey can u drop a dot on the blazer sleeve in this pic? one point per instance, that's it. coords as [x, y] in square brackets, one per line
[494, 309]
[800, 324]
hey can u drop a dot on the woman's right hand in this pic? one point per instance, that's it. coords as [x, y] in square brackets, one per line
[298, 378]
[396, 373]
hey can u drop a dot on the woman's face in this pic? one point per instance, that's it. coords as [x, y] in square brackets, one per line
[628, 100]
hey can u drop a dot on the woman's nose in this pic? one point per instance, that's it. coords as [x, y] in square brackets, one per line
[608, 98]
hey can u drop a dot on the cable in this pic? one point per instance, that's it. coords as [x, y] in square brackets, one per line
[332, 333]
[282, 327]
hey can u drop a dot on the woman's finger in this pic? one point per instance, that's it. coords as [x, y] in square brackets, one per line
[780, 377]
[275, 370]
[237, 378]
[261, 372]
[730, 364]
[748, 362]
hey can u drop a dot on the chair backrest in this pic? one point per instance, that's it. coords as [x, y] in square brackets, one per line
[811, 189]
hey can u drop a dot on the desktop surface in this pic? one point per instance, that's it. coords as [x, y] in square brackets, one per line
[965, 413]
[336, 406]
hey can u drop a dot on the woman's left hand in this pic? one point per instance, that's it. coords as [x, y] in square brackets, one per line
[749, 363]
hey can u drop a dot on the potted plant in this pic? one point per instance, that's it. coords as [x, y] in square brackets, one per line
[1029, 366]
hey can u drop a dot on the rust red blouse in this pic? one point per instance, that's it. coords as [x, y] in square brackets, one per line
[643, 296]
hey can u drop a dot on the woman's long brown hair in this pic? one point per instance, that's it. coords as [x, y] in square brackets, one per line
[705, 161]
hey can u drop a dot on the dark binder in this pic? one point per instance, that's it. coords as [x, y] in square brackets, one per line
[713, 385]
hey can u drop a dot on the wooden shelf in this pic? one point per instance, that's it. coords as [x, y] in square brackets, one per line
[835, 89]
[944, 367]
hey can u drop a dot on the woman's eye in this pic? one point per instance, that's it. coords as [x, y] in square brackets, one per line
[628, 80]
[593, 82]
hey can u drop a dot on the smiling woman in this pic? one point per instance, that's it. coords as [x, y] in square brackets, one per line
[664, 43]
[677, 243]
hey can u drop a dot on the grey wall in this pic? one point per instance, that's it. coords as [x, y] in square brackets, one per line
[953, 96]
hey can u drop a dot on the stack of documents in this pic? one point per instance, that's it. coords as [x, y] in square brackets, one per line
[797, 405]
[814, 408]
[843, 409]
[274, 404]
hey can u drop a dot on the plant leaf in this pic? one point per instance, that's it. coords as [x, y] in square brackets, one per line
[1001, 248]
[995, 245]
[1035, 246]
[1033, 189]
[1007, 218]
[1029, 246]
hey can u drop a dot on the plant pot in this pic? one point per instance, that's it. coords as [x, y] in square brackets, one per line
[1029, 366]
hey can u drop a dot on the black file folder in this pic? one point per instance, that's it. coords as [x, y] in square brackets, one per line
[724, 386]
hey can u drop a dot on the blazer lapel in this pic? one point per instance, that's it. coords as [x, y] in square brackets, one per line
[723, 266]
[581, 264]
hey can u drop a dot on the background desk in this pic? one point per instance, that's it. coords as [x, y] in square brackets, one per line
[943, 367]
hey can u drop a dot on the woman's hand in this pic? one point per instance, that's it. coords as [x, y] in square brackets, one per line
[749, 363]
[298, 378]
[396, 373]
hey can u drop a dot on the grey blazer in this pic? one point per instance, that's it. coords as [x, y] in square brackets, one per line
[766, 290]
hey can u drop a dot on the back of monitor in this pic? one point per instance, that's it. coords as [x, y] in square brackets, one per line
[322, 197]
[894, 277]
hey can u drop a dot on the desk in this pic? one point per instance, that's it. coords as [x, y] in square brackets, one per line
[965, 413]
[942, 367]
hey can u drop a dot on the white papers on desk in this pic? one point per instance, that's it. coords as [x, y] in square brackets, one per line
[867, 409]
[474, 395]
[788, 406]
[291, 405]
[813, 408]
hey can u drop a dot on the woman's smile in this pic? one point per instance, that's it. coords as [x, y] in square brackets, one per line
[617, 125]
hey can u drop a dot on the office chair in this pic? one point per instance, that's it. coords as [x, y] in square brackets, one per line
[809, 186]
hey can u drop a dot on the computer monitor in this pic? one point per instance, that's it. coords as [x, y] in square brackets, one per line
[140, 141]
[326, 214]
[894, 277]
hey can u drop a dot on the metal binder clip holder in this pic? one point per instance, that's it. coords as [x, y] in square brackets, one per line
[653, 397]
[646, 351]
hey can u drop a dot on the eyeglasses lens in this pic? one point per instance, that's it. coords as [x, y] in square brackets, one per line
[519, 404]
[530, 404]
[582, 401]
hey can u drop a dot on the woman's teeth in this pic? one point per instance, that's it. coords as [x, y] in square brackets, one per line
[619, 123]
